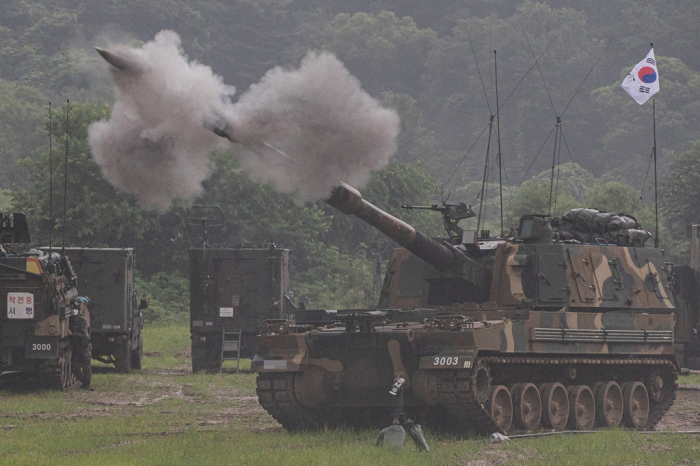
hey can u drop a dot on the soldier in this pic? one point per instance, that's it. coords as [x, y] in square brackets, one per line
[79, 333]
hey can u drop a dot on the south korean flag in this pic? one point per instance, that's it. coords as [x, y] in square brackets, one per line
[643, 80]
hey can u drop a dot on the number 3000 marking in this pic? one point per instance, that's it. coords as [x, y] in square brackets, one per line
[41, 346]
[443, 361]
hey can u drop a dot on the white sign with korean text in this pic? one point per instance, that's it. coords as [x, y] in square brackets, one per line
[20, 305]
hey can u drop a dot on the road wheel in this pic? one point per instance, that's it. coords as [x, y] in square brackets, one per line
[636, 409]
[527, 406]
[581, 408]
[122, 357]
[499, 405]
[608, 399]
[555, 406]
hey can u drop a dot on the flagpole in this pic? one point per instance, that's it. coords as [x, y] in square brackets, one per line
[656, 188]
[656, 185]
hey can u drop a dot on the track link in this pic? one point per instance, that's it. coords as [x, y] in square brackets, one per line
[458, 398]
[276, 395]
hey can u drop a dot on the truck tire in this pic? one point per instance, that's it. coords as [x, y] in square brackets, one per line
[122, 357]
[206, 357]
[137, 355]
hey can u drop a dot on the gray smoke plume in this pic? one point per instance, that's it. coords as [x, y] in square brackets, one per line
[322, 119]
[306, 129]
[154, 145]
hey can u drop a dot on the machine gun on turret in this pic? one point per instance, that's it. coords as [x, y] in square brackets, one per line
[451, 215]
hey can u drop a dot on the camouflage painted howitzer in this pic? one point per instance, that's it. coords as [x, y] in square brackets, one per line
[494, 335]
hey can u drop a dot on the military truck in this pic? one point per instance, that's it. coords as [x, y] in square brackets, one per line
[37, 290]
[686, 283]
[490, 334]
[106, 277]
[232, 291]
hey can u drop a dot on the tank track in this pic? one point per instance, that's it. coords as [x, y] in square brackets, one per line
[276, 395]
[465, 412]
[461, 405]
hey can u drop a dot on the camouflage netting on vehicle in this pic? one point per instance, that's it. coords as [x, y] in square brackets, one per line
[593, 226]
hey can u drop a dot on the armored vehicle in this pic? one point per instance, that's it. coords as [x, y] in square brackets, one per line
[106, 276]
[232, 291]
[37, 290]
[496, 334]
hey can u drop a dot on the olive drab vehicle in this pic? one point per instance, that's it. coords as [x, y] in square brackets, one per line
[38, 290]
[232, 292]
[497, 334]
[106, 276]
[686, 282]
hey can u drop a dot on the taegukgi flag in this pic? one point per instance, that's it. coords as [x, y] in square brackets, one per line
[643, 80]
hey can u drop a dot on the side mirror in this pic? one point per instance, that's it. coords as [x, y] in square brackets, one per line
[143, 304]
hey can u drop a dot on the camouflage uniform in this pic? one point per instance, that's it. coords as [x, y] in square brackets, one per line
[82, 350]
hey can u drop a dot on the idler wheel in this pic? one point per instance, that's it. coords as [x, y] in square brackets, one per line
[481, 380]
[608, 399]
[499, 405]
[654, 386]
[636, 405]
[555, 405]
[527, 405]
[581, 408]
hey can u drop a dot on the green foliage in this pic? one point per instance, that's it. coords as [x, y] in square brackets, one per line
[680, 190]
[384, 51]
[534, 198]
[168, 297]
[628, 136]
[620, 198]
[22, 112]
[431, 61]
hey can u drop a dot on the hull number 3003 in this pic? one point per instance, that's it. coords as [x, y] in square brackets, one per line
[451, 361]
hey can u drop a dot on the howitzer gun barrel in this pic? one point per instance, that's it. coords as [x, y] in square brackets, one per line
[349, 201]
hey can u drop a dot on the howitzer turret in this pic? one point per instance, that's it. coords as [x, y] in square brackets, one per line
[349, 201]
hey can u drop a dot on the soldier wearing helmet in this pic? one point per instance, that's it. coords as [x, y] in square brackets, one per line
[79, 332]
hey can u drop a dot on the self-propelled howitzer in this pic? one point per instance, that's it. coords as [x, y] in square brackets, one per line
[499, 334]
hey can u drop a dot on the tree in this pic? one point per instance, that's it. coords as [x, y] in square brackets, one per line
[679, 192]
[627, 140]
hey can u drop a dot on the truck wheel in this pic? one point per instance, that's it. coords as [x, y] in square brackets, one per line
[137, 355]
[122, 357]
[206, 356]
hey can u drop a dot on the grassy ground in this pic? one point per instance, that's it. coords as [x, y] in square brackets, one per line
[164, 414]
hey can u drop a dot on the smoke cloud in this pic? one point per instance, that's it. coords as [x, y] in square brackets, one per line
[305, 129]
[154, 144]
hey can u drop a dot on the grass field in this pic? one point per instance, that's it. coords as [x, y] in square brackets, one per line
[164, 414]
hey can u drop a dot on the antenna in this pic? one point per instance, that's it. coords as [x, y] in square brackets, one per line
[50, 181]
[498, 131]
[557, 144]
[207, 218]
[482, 213]
[65, 185]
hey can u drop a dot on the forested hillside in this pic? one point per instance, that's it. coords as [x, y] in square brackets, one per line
[431, 61]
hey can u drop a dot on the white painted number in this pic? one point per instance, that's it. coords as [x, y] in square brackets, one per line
[443, 361]
[41, 346]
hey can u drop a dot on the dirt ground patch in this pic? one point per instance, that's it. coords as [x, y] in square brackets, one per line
[684, 415]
